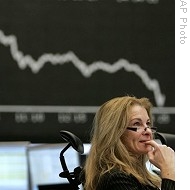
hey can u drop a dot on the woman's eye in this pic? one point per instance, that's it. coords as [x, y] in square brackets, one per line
[137, 124]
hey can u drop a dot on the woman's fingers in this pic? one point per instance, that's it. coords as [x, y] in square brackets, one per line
[152, 143]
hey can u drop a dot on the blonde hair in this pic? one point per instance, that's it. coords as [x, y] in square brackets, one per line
[107, 150]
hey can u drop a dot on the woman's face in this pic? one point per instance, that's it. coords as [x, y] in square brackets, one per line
[135, 140]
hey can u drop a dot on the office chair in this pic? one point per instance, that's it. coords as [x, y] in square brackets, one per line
[76, 143]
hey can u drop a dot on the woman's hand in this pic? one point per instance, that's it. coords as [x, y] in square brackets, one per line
[162, 157]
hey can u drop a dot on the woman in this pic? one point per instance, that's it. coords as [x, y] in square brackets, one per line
[122, 142]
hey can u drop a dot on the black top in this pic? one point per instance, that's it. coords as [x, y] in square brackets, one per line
[117, 180]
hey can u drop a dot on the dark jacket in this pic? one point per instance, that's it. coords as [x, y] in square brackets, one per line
[117, 180]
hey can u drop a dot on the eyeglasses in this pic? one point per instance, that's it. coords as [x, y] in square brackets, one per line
[142, 129]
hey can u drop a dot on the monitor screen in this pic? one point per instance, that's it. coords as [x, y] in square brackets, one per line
[13, 166]
[45, 165]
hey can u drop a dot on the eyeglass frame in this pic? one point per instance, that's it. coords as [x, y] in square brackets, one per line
[144, 129]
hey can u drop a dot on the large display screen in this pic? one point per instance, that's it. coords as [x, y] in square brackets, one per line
[61, 59]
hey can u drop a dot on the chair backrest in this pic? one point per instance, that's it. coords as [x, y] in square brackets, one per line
[167, 139]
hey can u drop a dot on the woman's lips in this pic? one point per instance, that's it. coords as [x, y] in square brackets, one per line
[143, 141]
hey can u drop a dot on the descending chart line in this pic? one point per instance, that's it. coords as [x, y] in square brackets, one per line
[86, 70]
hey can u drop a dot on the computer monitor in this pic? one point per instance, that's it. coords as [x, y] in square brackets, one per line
[45, 165]
[13, 166]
